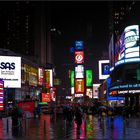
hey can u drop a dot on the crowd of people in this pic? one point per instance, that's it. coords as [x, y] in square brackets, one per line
[74, 112]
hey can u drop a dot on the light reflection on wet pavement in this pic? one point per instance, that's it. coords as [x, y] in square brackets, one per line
[92, 128]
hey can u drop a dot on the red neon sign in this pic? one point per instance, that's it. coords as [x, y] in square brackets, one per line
[79, 57]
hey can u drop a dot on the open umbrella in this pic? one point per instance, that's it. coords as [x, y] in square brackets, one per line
[102, 107]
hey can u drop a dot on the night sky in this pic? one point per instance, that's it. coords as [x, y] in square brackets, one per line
[87, 21]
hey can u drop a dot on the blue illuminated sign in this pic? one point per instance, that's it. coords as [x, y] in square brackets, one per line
[126, 48]
[115, 98]
[105, 69]
[125, 86]
[79, 45]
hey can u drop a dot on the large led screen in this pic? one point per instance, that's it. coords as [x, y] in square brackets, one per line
[79, 57]
[103, 69]
[72, 78]
[79, 45]
[49, 78]
[10, 71]
[89, 78]
[79, 85]
[79, 71]
[127, 48]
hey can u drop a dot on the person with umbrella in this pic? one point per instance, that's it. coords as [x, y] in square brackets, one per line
[78, 118]
[102, 112]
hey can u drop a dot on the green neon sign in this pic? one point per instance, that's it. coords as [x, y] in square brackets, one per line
[89, 78]
[72, 78]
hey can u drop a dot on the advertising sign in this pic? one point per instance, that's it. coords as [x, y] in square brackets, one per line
[95, 90]
[79, 57]
[89, 78]
[89, 92]
[10, 71]
[79, 45]
[103, 69]
[27, 106]
[72, 78]
[49, 78]
[1, 95]
[111, 52]
[79, 71]
[127, 50]
[79, 83]
[41, 76]
[46, 97]
[33, 74]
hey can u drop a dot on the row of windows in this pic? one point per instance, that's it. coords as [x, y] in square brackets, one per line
[127, 76]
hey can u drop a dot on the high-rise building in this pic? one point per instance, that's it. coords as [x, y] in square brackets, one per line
[120, 16]
[124, 52]
[25, 29]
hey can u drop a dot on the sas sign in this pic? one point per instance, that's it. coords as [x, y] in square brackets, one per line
[10, 71]
[7, 65]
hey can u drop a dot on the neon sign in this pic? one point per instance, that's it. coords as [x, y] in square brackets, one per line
[79, 57]
[127, 49]
[1, 95]
[125, 86]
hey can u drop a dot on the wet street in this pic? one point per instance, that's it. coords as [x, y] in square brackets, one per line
[57, 128]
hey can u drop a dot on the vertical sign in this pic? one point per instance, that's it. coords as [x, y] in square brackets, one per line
[72, 78]
[79, 78]
[46, 97]
[79, 57]
[47, 79]
[79, 85]
[1, 95]
[89, 78]
[41, 76]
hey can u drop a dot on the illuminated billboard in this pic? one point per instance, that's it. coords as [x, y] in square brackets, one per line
[127, 50]
[79, 57]
[79, 45]
[28, 106]
[111, 52]
[79, 71]
[10, 71]
[95, 90]
[89, 92]
[46, 97]
[89, 78]
[49, 78]
[79, 85]
[1, 95]
[72, 78]
[33, 76]
[103, 69]
[72, 90]
[41, 76]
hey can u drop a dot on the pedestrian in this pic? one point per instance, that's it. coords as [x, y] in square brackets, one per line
[52, 112]
[64, 112]
[39, 111]
[69, 115]
[16, 116]
[78, 118]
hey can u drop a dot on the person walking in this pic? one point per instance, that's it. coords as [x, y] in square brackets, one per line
[17, 115]
[78, 118]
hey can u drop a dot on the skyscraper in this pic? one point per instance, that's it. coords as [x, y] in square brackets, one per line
[120, 16]
[25, 29]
